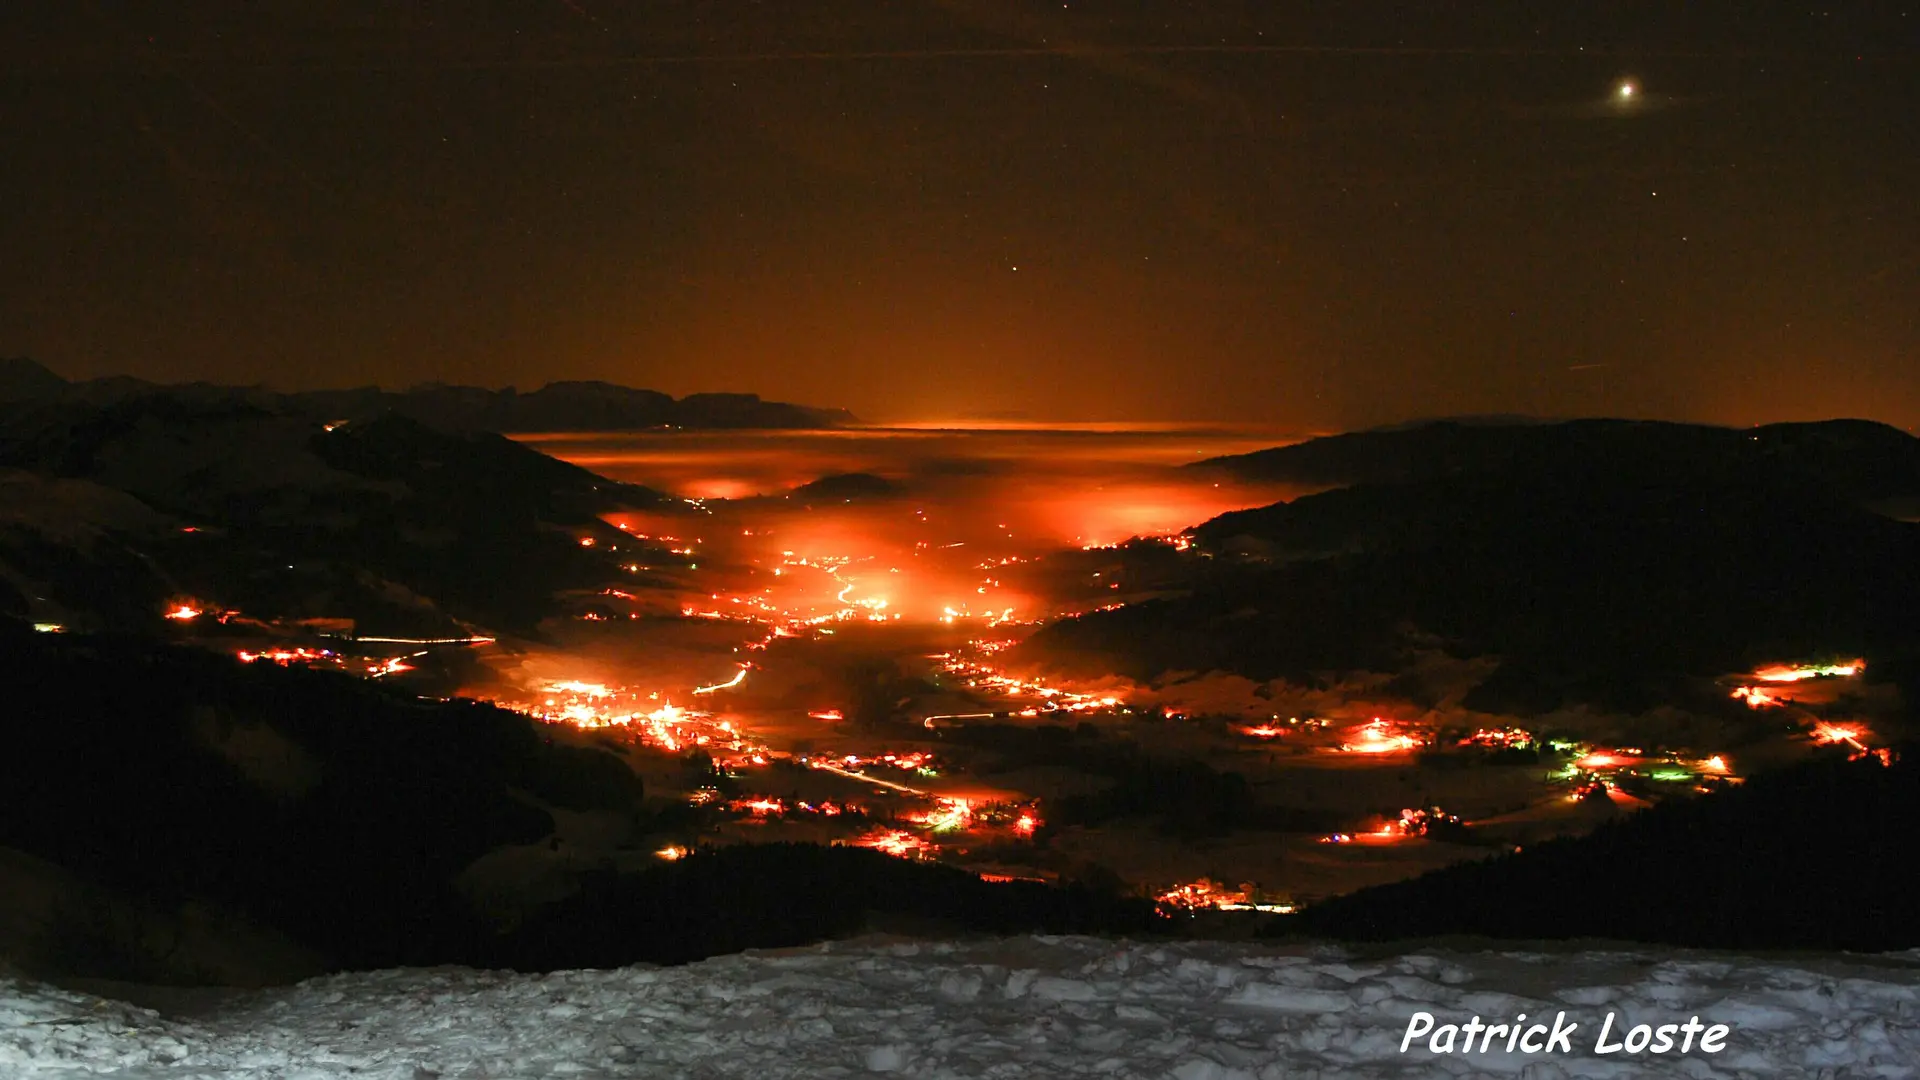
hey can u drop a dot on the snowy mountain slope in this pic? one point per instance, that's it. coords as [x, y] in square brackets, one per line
[1033, 1007]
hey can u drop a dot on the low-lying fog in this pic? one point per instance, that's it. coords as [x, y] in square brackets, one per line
[921, 513]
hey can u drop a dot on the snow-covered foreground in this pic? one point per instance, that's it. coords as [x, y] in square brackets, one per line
[1033, 1007]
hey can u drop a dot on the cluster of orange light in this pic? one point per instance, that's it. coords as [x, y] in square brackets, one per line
[1207, 893]
[1420, 822]
[834, 767]
[1503, 738]
[1177, 540]
[668, 726]
[1833, 734]
[1591, 788]
[389, 667]
[1020, 820]
[897, 843]
[1379, 737]
[1400, 828]
[284, 657]
[1787, 673]
[910, 761]
[766, 806]
[808, 618]
[1273, 728]
[947, 815]
[985, 677]
[950, 615]
[1783, 676]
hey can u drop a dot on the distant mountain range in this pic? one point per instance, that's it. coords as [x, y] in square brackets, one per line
[560, 406]
[1860, 457]
[403, 512]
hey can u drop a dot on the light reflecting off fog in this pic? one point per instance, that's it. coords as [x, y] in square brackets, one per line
[736, 464]
[969, 507]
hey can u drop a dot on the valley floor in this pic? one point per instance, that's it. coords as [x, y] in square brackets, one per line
[1029, 1007]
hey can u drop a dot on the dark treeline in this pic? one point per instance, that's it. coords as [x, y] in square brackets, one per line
[1816, 856]
[772, 895]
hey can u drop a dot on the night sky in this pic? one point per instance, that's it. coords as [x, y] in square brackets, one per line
[1308, 215]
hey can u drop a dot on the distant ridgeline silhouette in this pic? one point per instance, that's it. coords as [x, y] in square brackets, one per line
[1601, 562]
[559, 406]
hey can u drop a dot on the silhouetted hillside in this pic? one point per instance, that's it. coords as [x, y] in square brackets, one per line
[1818, 856]
[844, 488]
[21, 379]
[1598, 561]
[319, 804]
[1854, 459]
[341, 813]
[390, 522]
[777, 895]
[560, 406]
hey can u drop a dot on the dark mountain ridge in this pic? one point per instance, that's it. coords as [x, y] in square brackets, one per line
[1858, 459]
[393, 523]
[1600, 561]
[558, 406]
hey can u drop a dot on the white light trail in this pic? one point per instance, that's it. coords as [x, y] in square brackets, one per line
[738, 678]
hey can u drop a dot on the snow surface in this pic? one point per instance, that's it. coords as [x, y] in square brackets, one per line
[1028, 1007]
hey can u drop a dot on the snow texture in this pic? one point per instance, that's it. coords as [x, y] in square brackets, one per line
[1029, 1007]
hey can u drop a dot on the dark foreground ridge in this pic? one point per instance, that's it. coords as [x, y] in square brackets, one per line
[769, 895]
[1818, 856]
[176, 816]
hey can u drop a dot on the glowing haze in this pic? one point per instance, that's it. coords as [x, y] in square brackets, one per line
[966, 508]
[1317, 216]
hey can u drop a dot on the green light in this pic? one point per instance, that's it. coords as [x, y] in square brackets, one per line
[1671, 775]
